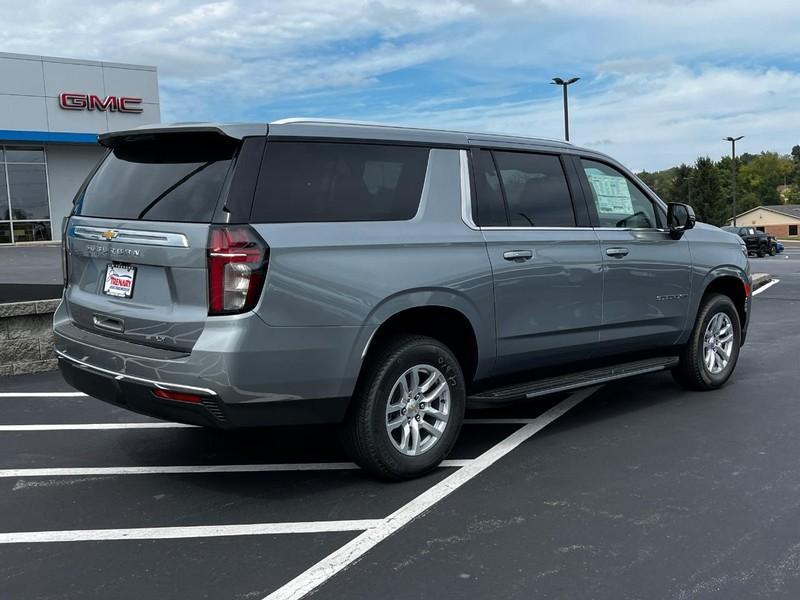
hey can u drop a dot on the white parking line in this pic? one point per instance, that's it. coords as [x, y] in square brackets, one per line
[196, 531]
[340, 559]
[766, 286]
[501, 421]
[200, 469]
[168, 425]
[42, 395]
[91, 426]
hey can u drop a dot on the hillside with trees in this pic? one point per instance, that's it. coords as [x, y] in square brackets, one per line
[765, 178]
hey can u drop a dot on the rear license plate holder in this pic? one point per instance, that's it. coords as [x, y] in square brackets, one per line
[119, 281]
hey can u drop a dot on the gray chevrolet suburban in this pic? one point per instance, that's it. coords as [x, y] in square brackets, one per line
[380, 278]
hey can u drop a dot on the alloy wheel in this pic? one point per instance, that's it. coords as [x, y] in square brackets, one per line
[718, 343]
[418, 409]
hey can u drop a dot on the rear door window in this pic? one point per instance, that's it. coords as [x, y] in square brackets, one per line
[329, 181]
[490, 210]
[536, 190]
[161, 178]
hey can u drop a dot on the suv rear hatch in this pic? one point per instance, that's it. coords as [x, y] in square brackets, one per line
[137, 241]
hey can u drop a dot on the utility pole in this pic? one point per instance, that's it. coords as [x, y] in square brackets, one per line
[564, 84]
[733, 141]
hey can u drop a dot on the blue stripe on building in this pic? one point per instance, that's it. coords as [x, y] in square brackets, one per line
[49, 137]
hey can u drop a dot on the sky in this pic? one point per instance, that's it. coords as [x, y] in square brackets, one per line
[662, 81]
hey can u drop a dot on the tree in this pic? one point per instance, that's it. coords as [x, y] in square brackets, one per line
[761, 178]
[707, 185]
[796, 163]
[706, 193]
[682, 184]
[793, 194]
[660, 182]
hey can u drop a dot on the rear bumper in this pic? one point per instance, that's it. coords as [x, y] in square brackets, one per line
[252, 374]
[137, 395]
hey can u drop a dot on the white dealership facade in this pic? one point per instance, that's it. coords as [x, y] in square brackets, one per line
[51, 111]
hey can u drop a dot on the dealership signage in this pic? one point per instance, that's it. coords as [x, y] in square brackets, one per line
[123, 104]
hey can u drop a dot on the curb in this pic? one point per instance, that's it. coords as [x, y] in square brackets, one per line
[760, 280]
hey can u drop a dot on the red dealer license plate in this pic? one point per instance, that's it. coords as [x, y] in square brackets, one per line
[119, 280]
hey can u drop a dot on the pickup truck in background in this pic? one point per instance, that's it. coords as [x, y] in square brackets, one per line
[758, 242]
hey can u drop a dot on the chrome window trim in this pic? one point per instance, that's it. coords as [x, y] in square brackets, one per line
[466, 210]
[496, 228]
[130, 236]
[123, 377]
[466, 191]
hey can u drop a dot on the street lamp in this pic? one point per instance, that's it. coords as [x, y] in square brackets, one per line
[733, 141]
[564, 84]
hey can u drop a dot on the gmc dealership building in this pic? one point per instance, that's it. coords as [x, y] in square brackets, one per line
[51, 110]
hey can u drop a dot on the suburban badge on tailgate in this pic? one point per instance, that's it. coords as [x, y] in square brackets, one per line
[108, 251]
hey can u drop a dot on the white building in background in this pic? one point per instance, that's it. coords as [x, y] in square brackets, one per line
[51, 111]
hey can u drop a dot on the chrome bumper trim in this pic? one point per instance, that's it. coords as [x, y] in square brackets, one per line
[177, 387]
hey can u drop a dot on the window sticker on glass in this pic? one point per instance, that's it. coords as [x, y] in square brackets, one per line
[613, 194]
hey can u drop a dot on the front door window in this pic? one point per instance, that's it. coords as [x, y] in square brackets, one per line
[618, 201]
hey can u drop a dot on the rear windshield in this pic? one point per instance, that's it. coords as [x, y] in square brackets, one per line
[323, 181]
[160, 178]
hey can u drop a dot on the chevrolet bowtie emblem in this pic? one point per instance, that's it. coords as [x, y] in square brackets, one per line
[110, 234]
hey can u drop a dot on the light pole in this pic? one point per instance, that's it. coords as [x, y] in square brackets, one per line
[733, 141]
[564, 84]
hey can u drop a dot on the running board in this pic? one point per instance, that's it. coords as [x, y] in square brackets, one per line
[563, 383]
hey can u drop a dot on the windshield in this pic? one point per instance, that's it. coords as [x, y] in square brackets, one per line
[160, 178]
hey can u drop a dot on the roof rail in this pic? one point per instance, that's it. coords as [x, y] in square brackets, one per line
[324, 121]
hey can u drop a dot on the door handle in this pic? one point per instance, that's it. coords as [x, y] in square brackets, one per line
[104, 322]
[518, 255]
[617, 252]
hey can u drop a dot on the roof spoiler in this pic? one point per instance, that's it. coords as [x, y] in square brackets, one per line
[236, 131]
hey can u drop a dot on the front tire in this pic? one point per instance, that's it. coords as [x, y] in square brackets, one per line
[407, 410]
[773, 250]
[710, 356]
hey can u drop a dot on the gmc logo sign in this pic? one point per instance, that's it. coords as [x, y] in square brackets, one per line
[123, 104]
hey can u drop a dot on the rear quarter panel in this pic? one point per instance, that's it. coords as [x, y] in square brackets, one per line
[358, 274]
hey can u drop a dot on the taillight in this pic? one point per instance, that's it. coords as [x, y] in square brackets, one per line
[237, 266]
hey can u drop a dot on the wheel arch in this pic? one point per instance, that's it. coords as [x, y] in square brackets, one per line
[445, 316]
[731, 282]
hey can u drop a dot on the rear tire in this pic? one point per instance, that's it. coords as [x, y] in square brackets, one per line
[398, 427]
[773, 250]
[708, 360]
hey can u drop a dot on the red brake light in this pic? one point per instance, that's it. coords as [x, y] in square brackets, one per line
[746, 290]
[237, 265]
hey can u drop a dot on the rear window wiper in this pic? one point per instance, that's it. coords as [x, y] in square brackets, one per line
[173, 187]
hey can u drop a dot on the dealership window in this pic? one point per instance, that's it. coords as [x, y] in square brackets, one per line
[792, 229]
[24, 199]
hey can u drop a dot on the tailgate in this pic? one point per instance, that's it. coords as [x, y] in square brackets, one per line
[136, 243]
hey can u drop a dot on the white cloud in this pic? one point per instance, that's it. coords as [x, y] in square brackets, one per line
[650, 120]
[662, 80]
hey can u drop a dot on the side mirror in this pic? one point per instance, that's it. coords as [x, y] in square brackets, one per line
[680, 218]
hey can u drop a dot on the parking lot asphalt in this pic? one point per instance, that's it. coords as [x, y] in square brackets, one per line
[634, 490]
